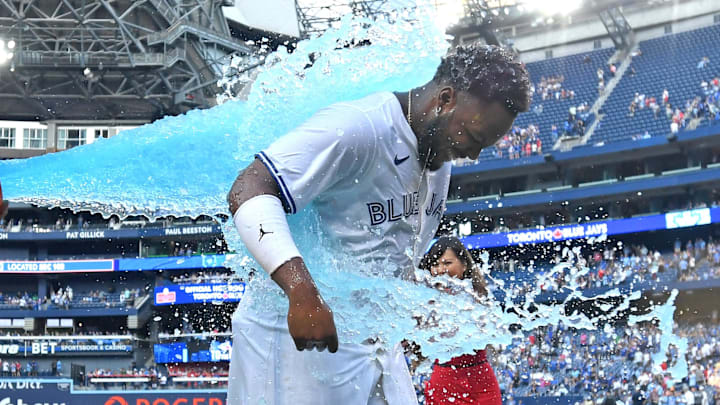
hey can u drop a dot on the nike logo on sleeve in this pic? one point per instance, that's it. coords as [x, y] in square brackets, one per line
[398, 161]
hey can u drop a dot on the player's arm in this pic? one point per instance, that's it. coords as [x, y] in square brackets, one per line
[255, 204]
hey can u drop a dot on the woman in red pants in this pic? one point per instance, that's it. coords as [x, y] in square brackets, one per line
[466, 379]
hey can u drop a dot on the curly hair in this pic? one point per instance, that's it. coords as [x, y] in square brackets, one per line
[489, 72]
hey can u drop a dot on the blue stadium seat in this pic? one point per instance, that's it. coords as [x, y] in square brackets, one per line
[580, 76]
[667, 62]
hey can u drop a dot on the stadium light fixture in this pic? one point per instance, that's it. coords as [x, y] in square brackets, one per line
[6, 50]
[552, 7]
[448, 13]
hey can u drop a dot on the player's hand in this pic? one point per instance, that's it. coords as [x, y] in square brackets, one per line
[310, 321]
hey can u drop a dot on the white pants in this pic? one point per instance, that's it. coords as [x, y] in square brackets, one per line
[266, 368]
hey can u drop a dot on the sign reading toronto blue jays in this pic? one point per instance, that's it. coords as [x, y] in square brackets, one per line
[672, 220]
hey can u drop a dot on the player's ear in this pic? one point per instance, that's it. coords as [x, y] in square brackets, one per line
[446, 99]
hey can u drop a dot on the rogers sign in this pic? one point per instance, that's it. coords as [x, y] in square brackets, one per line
[160, 400]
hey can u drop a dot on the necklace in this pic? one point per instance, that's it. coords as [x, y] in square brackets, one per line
[409, 113]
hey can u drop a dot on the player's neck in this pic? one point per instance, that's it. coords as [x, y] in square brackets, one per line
[414, 104]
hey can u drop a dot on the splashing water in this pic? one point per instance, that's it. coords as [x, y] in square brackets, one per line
[184, 166]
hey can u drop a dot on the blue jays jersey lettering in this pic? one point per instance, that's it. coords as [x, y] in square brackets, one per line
[357, 162]
[392, 211]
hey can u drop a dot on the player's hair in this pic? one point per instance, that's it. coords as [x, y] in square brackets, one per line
[489, 72]
[471, 271]
[440, 246]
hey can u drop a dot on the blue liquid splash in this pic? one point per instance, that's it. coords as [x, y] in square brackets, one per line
[184, 166]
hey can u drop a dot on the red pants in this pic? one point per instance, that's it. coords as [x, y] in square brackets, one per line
[465, 385]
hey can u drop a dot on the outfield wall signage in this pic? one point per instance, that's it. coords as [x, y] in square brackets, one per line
[198, 293]
[173, 263]
[57, 266]
[62, 392]
[685, 219]
[193, 351]
[108, 265]
[27, 348]
[672, 220]
[84, 234]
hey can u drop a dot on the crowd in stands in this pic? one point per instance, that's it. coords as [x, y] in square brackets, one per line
[184, 249]
[552, 88]
[60, 332]
[14, 368]
[194, 376]
[147, 378]
[66, 298]
[705, 106]
[205, 371]
[519, 142]
[575, 125]
[696, 260]
[610, 362]
[22, 300]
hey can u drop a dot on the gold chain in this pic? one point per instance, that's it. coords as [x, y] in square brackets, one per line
[409, 113]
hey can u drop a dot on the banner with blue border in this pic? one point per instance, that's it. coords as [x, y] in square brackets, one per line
[672, 220]
[198, 293]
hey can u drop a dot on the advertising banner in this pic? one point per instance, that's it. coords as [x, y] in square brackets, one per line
[686, 219]
[193, 351]
[198, 293]
[647, 223]
[27, 348]
[83, 234]
[62, 392]
[173, 263]
[57, 266]
[108, 265]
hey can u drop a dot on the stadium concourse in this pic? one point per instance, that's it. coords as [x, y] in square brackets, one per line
[617, 161]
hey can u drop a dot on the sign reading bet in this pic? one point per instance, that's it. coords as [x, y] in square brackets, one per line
[35, 348]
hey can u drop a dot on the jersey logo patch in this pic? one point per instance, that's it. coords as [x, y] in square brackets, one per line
[263, 233]
[398, 161]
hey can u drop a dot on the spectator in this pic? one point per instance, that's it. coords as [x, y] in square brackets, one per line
[469, 377]
[703, 62]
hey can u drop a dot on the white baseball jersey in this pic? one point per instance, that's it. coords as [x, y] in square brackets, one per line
[357, 162]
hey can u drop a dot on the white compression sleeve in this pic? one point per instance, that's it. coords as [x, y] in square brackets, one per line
[264, 230]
